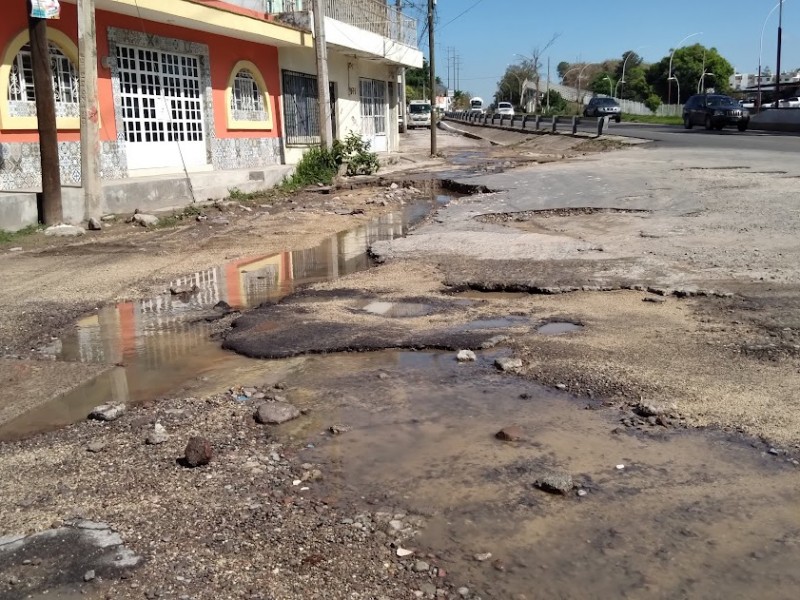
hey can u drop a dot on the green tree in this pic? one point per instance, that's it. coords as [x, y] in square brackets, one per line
[418, 82]
[509, 88]
[687, 67]
[603, 83]
[562, 68]
[555, 101]
[461, 100]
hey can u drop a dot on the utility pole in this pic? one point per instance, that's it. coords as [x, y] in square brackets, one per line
[432, 71]
[89, 111]
[777, 103]
[323, 85]
[401, 96]
[46, 119]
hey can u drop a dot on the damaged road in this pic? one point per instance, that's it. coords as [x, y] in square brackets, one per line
[577, 382]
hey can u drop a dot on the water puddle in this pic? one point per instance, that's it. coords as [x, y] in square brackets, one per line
[668, 514]
[558, 328]
[164, 342]
[397, 310]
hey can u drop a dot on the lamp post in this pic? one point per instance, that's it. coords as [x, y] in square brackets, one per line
[669, 73]
[679, 90]
[702, 81]
[624, 63]
[521, 84]
[580, 76]
[610, 86]
[778, 66]
[761, 50]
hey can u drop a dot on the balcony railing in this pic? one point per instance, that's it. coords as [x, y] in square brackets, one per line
[375, 16]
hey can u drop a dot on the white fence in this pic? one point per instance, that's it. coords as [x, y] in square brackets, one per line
[572, 94]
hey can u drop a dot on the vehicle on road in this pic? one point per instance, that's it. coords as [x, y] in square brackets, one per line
[714, 111]
[418, 114]
[476, 105]
[793, 102]
[602, 106]
[505, 108]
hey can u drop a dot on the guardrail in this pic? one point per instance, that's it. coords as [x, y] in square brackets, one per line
[552, 124]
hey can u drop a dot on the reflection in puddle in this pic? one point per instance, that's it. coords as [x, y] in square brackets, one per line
[164, 341]
[691, 514]
[397, 310]
[558, 328]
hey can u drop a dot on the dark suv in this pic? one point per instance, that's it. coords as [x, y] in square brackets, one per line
[601, 106]
[714, 111]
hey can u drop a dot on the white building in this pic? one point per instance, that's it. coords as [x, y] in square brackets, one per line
[369, 43]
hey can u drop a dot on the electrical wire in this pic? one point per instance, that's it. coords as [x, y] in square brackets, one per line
[461, 14]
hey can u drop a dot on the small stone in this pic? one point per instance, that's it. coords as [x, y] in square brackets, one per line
[561, 386]
[13, 580]
[108, 218]
[219, 221]
[157, 436]
[198, 452]
[494, 341]
[89, 575]
[428, 589]
[94, 224]
[394, 186]
[483, 557]
[339, 429]
[421, 566]
[403, 552]
[96, 446]
[512, 433]
[773, 451]
[275, 413]
[65, 231]
[499, 565]
[508, 364]
[555, 483]
[145, 220]
[654, 299]
[651, 409]
[465, 356]
[396, 524]
[463, 592]
[582, 493]
[107, 412]
[620, 467]
[383, 376]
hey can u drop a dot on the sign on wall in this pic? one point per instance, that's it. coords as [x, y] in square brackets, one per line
[45, 9]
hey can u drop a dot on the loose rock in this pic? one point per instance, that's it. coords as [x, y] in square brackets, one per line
[555, 483]
[198, 452]
[145, 220]
[421, 566]
[89, 575]
[275, 413]
[465, 356]
[483, 557]
[96, 446]
[512, 433]
[65, 231]
[94, 224]
[157, 436]
[508, 364]
[107, 412]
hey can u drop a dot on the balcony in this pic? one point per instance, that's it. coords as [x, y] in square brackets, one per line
[374, 16]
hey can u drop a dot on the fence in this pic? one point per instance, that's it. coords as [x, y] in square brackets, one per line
[631, 107]
[374, 16]
[552, 124]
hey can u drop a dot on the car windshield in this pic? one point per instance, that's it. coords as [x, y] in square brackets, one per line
[504, 105]
[606, 101]
[721, 101]
[419, 108]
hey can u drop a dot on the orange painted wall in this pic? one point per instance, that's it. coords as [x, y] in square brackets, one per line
[224, 53]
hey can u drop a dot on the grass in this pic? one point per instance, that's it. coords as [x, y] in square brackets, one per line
[654, 119]
[7, 237]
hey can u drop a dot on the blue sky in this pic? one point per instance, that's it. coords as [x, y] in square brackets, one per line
[487, 36]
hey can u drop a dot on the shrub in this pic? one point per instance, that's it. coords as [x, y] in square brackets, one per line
[355, 152]
[652, 102]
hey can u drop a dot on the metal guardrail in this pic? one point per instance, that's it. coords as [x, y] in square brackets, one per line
[552, 124]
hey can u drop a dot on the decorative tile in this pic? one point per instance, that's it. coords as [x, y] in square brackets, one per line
[244, 153]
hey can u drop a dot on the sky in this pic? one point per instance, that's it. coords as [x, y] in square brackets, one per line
[486, 34]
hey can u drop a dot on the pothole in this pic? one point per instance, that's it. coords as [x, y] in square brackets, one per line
[557, 212]
[559, 328]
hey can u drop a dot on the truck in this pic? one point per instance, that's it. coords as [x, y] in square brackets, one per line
[476, 105]
[418, 114]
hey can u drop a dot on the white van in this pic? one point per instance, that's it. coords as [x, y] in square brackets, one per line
[419, 114]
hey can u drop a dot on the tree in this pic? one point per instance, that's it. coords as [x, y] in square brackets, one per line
[418, 82]
[555, 101]
[509, 88]
[600, 83]
[533, 62]
[461, 100]
[688, 63]
[562, 68]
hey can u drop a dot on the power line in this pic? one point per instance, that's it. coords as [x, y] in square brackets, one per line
[461, 14]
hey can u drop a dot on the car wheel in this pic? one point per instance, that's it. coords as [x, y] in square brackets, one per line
[687, 122]
[742, 126]
[617, 118]
[709, 125]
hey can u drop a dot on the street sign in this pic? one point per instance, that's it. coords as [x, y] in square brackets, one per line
[45, 9]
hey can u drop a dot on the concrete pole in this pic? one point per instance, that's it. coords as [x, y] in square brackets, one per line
[432, 70]
[401, 96]
[777, 102]
[52, 211]
[89, 109]
[323, 85]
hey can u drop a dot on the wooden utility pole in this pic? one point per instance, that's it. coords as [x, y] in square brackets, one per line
[46, 119]
[432, 70]
[401, 96]
[89, 109]
[777, 102]
[323, 85]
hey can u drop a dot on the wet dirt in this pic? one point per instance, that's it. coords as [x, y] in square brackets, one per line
[559, 328]
[662, 514]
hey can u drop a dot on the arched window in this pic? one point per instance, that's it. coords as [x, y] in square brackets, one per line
[17, 94]
[65, 82]
[248, 102]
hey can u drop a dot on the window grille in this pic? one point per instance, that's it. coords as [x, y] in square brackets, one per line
[65, 78]
[247, 99]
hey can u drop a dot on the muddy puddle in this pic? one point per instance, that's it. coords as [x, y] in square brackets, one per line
[163, 344]
[669, 514]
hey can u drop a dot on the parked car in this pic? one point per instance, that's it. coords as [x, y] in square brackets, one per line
[714, 111]
[793, 102]
[505, 108]
[602, 106]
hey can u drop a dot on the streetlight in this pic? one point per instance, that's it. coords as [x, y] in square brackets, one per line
[702, 81]
[669, 74]
[580, 76]
[610, 86]
[679, 90]
[520, 81]
[760, 51]
[625, 62]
